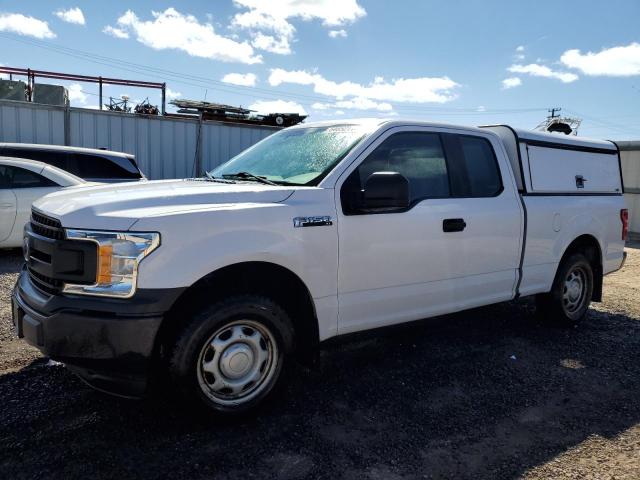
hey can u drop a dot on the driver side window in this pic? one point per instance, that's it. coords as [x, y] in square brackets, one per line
[418, 156]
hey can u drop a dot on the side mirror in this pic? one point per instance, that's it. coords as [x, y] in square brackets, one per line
[386, 191]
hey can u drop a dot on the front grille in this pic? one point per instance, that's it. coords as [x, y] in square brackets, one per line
[46, 226]
[49, 228]
[44, 283]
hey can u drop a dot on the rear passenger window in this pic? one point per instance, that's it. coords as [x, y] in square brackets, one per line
[5, 177]
[93, 166]
[56, 159]
[481, 166]
[473, 166]
[22, 178]
[417, 156]
[79, 164]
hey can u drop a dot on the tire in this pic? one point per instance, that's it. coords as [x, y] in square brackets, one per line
[230, 356]
[568, 301]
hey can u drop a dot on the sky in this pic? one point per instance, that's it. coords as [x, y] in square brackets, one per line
[470, 62]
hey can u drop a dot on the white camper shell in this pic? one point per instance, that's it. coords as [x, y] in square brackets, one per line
[549, 164]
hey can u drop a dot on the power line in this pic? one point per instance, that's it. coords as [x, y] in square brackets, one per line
[178, 77]
[609, 125]
[258, 93]
[206, 83]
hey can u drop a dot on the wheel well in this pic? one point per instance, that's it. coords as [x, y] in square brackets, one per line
[262, 278]
[589, 246]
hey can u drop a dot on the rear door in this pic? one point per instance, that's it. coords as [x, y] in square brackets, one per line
[8, 204]
[487, 201]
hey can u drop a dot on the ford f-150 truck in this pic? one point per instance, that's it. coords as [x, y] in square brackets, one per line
[319, 230]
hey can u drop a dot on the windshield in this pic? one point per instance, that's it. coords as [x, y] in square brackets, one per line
[298, 156]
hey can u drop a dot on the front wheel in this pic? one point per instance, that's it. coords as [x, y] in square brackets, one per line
[568, 301]
[230, 356]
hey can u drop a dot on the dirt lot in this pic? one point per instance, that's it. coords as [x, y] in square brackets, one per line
[489, 393]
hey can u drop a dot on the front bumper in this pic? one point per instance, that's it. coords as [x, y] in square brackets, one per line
[109, 343]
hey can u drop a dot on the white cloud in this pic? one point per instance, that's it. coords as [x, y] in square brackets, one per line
[171, 94]
[520, 48]
[246, 80]
[115, 32]
[337, 33]
[511, 82]
[173, 30]
[623, 61]
[269, 43]
[71, 15]
[25, 25]
[538, 70]
[358, 103]
[481, 108]
[277, 106]
[269, 25]
[339, 112]
[416, 90]
[76, 95]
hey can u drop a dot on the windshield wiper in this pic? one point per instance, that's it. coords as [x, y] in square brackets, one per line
[248, 176]
[211, 178]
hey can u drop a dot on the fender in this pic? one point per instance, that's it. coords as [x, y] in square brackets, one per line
[581, 224]
[198, 243]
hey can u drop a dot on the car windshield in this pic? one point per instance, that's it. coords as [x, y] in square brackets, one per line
[296, 156]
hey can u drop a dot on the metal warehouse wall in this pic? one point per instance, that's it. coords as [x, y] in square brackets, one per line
[164, 147]
[630, 157]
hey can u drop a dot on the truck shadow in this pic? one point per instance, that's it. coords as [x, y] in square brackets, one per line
[488, 393]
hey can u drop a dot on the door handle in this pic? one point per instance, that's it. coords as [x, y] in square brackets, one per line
[453, 225]
[6, 205]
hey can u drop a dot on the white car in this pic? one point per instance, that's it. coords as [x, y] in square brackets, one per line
[319, 230]
[21, 183]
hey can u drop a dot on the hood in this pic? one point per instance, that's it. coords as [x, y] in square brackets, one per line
[118, 206]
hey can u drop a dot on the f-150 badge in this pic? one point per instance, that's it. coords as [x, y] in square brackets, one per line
[318, 221]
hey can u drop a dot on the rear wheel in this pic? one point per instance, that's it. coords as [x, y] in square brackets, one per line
[230, 356]
[568, 301]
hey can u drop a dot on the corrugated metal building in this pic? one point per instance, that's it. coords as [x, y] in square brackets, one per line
[630, 158]
[165, 147]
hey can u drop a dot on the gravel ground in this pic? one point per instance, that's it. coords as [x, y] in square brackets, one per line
[489, 393]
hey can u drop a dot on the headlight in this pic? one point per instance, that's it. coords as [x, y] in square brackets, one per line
[119, 254]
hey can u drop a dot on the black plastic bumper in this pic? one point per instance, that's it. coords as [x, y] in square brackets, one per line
[108, 342]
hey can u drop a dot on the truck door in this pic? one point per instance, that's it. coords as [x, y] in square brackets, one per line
[455, 246]
[486, 197]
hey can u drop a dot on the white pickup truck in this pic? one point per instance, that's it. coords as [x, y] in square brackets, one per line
[319, 230]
